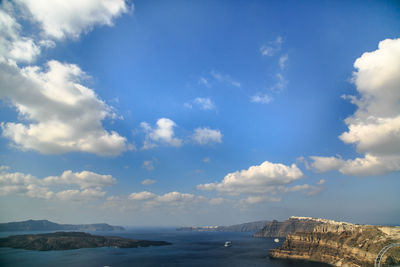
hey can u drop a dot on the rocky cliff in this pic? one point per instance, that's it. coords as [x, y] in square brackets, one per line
[340, 244]
[45, 225]
[282, 229]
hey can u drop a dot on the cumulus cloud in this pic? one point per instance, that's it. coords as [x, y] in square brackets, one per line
[176, 199]
[145, 195]
[375, 126]
[163, 133]
[205, 136]
[148, 182]
[256, 179]
[84, 179]
[61, 114]
[59, 18]
[80, 195]
[90, 185]
[170, 202]
[13, 46]
[324, 164]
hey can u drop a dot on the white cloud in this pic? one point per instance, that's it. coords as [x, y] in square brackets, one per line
[281, 83]
[148, 182]
[61, 114]
[13, 46]
[258, 199]
[375, 126]
[90, 184]
[283, 61]
[225, 78]
[205, 136]
[206, 160]
[174, 198]
[84, 179]
[204, 81]
[171, 202]
[204, 103]
[261, 99]
[321, 182]
[371, 165]
[163, 133]
[145, 195]
[366, 166]
[60, 19]
[148, 165]
[324, 164]
[80, 195]
[272, 47]
[256, 179]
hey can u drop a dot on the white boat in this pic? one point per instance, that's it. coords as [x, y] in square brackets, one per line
[228, 244]
[276, 240]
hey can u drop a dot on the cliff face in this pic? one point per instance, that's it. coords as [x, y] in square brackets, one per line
[45, 225]
[340, 244]
[282, 229]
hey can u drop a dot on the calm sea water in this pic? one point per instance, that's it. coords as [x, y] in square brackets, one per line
[188, 249]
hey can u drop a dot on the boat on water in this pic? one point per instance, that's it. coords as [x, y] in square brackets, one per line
[276, 240]
[228, 244]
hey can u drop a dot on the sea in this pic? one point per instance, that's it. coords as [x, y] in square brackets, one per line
[188, 249]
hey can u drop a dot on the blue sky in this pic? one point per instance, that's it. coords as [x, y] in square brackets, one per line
[199, 112]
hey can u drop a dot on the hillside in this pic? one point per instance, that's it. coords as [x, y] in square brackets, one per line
[45, 225]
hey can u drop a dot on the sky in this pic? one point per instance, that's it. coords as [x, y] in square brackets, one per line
[177, 113]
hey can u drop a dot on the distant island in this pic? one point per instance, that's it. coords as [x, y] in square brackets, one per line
[243, 227]
[333, 242]
[45, 225]
[72, 240]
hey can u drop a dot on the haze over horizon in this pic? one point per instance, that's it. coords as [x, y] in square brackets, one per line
[171, 113]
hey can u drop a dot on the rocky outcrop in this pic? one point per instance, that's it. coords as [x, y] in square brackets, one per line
[72, 240]
[244, 227]
[282, 229]
[45, 225]
[340, 244]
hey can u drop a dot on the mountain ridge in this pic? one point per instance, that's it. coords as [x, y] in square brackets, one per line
[46, 225]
